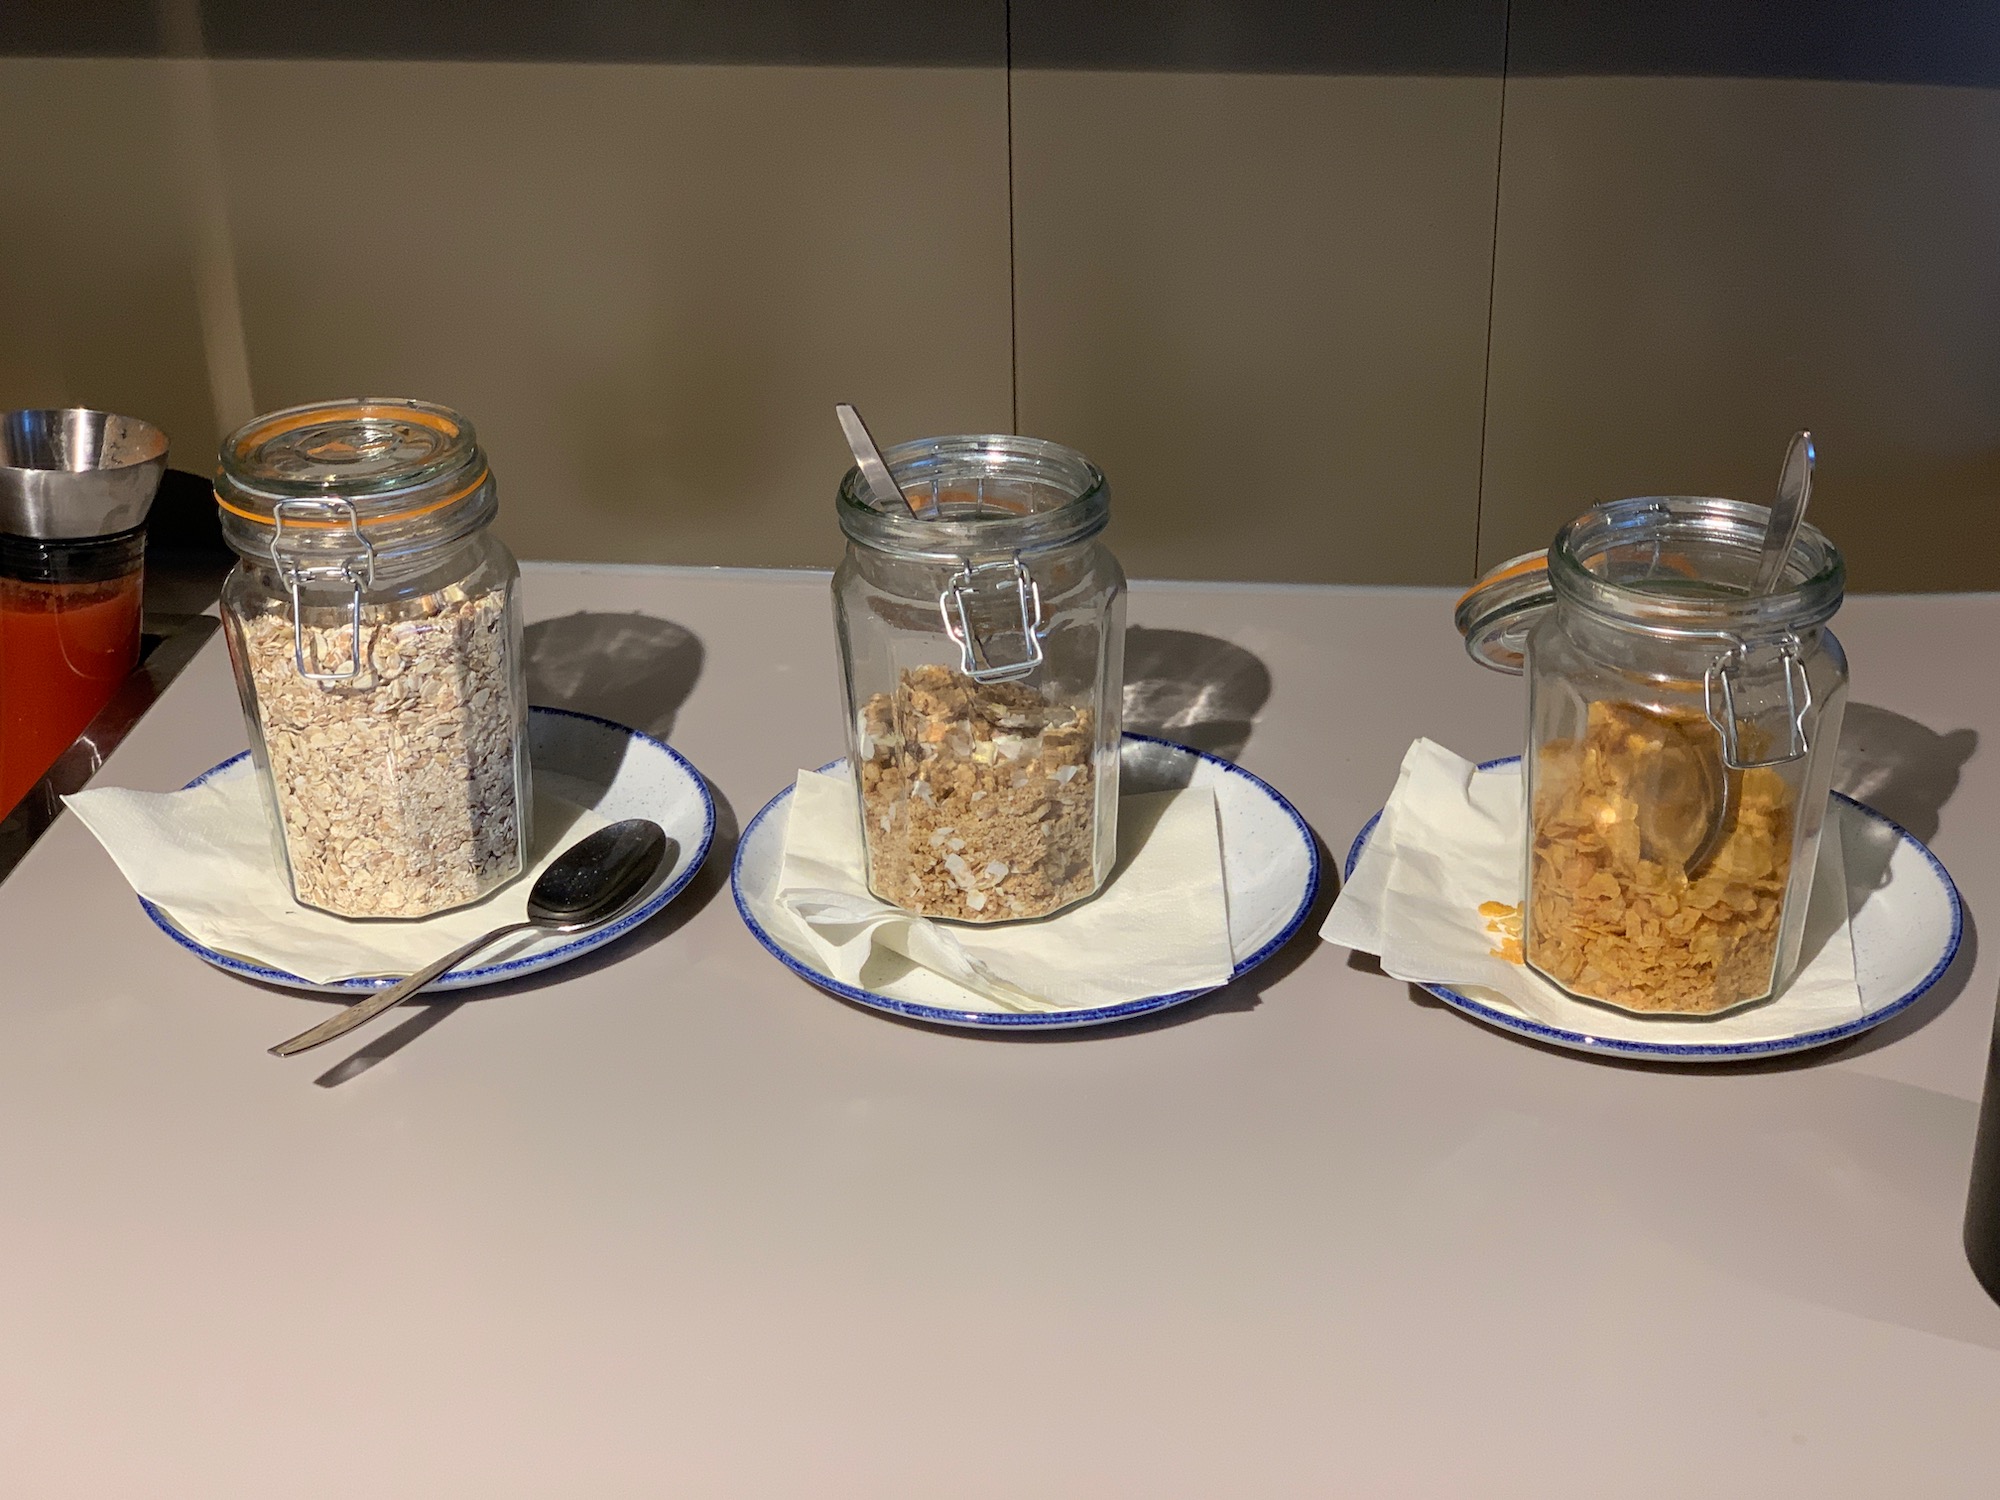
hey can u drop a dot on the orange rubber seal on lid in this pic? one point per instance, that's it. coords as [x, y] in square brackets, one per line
[1534, 562]
[1538, 562]
[293, 418]
[439, 421]
[402, 515]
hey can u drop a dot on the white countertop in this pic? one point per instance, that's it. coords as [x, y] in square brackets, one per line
[674, 1222]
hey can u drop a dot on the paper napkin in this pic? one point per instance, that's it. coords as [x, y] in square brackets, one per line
[204, 856]
[1451, 838]
[1160, 925]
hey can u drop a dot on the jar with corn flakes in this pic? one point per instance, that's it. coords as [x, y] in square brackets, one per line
[1681, 738]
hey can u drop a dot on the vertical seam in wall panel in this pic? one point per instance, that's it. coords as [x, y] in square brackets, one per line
[1013, 275]
[1492, 286]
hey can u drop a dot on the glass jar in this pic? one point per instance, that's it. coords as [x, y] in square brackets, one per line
[375, 628]
[982, 645]
[1681, 740]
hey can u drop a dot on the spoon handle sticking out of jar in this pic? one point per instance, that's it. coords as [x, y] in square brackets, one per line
[868, 458]
[1788, 513]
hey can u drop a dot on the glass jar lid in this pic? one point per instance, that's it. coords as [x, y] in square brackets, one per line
[1496, 613]
[389, 460]
[978, 496]
[981, 515]
[343, 497]
[1675, 565]
[363, 484]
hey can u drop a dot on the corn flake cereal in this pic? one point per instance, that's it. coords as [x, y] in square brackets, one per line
[1611, 918]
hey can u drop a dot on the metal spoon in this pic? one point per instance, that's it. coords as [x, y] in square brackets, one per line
[1788, 513]
[593, 881]
[868, 459]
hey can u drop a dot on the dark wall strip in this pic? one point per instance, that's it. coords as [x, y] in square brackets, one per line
[1880, 41]
[938, 33]
[1906, 41]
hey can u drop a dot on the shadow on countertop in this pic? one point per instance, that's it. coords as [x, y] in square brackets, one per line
[632, 668]
[1193, 689]
[1903, 769]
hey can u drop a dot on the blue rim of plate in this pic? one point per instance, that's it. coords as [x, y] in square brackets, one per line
[1047, 1020]
[1581, 1041]
[490, 973]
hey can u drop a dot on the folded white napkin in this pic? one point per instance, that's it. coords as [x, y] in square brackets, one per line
[205, 857]
[1451, 839]
[1160, 925]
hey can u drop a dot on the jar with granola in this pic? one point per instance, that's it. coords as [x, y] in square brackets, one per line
[374, 625]
[1681, 739]
[982, 643]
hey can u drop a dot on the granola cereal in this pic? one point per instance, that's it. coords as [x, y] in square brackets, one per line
[396, 790]
[978, 799]
[1614, 920]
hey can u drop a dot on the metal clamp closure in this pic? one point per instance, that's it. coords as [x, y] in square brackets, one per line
[975, 655]
[1760, 687]
[321, 557]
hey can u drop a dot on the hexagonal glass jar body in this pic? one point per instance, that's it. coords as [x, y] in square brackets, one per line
[374, 625]
[1681, 745]
[982, 652]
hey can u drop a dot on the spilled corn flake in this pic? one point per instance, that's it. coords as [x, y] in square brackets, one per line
[1503, 921]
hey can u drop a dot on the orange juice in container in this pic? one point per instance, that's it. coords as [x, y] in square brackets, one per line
[75, 487]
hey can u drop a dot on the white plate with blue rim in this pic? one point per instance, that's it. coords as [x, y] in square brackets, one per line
[591, 762]
[1906, 922]
[1270, 870]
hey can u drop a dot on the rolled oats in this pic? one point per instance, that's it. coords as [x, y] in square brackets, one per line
[397, 790]
[1612, 920]
[979, 800]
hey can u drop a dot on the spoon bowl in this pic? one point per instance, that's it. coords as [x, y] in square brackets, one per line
[598, 874]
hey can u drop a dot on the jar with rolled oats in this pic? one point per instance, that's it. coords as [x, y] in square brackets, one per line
[1681, 739]
[982, 646]
[374, 625]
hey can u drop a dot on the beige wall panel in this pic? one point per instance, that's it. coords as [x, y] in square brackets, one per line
[1259, 302]
[97, 228]
[647, 286]
[1688, 270]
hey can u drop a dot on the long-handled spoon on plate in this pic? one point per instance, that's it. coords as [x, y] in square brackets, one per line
[592, 882]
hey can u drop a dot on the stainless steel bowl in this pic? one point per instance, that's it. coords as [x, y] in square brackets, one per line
[77, 473]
